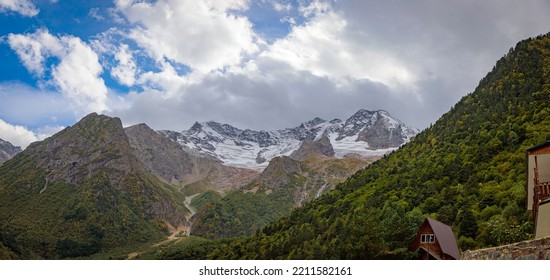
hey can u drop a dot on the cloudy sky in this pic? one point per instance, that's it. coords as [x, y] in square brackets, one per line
[258, 64]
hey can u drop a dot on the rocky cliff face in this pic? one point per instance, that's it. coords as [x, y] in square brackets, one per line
[159, 154]
[281, 171]
[76, 153]
[384, 133]
[317, 148]
[7, 151]
[167, 159]
[308, 178]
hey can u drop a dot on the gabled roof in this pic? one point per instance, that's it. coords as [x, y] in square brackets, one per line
[444, 234]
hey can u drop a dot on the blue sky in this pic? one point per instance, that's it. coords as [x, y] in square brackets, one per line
[264, 64]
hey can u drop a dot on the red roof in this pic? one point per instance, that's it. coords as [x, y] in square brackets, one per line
[446, 238]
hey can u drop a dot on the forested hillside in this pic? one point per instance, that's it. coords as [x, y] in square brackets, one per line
[467, 170]
[82, 192]
[284, 185]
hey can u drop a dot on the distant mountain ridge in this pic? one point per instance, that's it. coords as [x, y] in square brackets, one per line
[365, 134]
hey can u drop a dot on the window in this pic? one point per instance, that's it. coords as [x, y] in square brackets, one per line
[427, 238]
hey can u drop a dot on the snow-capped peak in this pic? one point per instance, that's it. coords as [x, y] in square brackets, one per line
[365, 133]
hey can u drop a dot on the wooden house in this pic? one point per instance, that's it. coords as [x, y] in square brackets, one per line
[435, 241]
[538, 187]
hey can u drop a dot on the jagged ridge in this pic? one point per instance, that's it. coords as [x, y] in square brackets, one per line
[366, 133]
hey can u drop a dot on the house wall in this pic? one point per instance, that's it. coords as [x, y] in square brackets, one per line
[543, 221]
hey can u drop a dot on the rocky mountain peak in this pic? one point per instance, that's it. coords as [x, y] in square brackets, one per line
[318, 148]
[88, 171]
[95, 142]
[357, 122]
[224, 129]
[315, 122]
[181, 166]
[161, 156]
[196, 128]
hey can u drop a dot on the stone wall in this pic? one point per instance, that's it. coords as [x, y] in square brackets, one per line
[537, 249]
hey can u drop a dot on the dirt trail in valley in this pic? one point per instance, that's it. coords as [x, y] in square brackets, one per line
[173, 236]
[174, 231]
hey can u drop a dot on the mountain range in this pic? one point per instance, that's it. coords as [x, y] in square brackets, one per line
[96, 186]
[364, 134]
[230, 174]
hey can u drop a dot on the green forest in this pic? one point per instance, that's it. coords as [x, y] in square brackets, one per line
[240, 213]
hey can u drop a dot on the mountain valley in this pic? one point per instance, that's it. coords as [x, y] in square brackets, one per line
[353, 189]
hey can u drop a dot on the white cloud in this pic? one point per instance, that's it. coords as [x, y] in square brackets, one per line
[203, 35]
[24, 7]
[315, 7]
[126, 69]
[167, 79]
[16, 134]
[77, 73]
[21, 136]
[95, 13]
[281, 7]
[415, 61]
[321, 47]
[34, 48]
[282, 99]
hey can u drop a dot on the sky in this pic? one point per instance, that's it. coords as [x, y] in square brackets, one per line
[257, 64]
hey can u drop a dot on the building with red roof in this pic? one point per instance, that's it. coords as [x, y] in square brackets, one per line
[435, 241]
